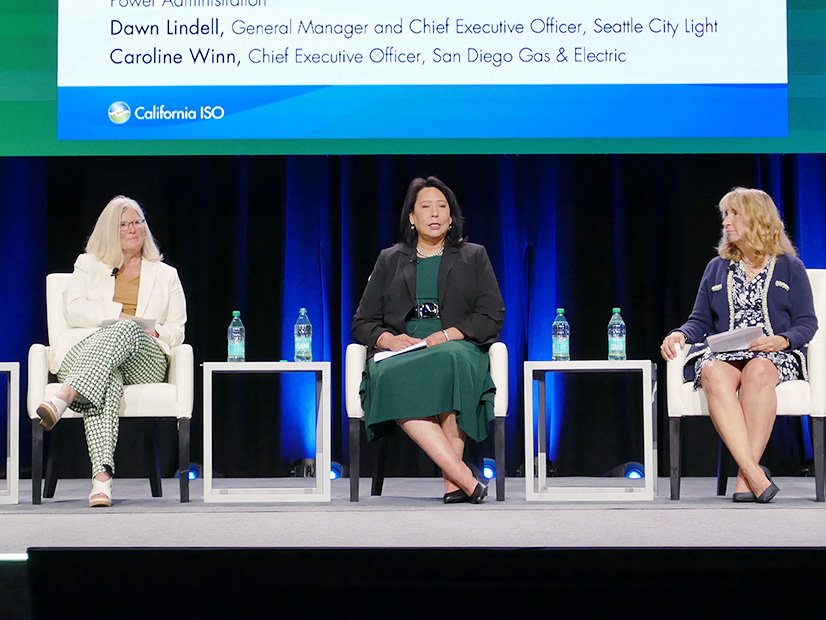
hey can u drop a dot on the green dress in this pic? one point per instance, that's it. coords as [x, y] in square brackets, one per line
[453, 376]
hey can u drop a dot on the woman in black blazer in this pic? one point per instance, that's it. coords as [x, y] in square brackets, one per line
[433, 288]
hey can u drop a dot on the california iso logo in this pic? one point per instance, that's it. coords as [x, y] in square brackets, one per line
[119, 112]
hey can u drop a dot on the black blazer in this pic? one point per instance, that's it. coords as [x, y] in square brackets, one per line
[469, 296]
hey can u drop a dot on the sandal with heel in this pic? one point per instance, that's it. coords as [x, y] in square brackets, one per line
[50, 411]
[101, 495]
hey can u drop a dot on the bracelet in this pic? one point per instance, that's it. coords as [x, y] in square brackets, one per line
[444, 331]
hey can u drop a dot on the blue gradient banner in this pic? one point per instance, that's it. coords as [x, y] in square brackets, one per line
[419, 112]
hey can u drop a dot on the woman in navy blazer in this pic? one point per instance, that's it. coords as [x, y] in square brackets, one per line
[442, 393]
[757, 280]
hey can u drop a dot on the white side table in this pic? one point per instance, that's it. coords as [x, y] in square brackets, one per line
[9, 495]
[321, 491]
[537, 489]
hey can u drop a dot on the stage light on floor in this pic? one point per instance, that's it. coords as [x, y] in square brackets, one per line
[631, 470]
[336, 470]
[635, 471]
[193, 473]
[489, 469]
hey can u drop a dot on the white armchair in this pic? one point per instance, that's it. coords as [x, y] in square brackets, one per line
[355, 360]
[148, 401]
[794, 398]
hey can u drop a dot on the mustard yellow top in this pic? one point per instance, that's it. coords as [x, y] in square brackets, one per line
[126, 293]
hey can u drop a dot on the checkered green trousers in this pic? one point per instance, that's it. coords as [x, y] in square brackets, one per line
[98, 367]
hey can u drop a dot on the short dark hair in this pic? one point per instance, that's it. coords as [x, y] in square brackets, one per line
[407, 234]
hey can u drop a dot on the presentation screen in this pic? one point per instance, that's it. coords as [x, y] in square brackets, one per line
[447, 76]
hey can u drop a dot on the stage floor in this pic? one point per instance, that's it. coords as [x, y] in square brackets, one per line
[411, 514]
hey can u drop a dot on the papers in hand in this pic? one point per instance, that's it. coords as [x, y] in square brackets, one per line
[385, 354]
[734, 340]
[146, 324]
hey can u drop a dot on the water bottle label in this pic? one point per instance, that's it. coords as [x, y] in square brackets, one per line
[616, 348]
[561, 348]
[235, 349]
[303, 349]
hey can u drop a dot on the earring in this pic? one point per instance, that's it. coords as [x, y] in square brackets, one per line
[412, 227]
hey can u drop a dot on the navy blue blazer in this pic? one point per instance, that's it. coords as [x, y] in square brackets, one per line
[788, 306]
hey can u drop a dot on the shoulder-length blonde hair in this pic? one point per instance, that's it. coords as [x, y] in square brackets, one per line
[765, 232]
[104, 242]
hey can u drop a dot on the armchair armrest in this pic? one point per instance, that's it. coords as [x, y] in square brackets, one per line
[816, 362]
[355, 359]
[181, 370]
[498, 354]
[38, 377]
[674, 382]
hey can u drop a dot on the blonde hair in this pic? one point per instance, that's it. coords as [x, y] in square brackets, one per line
[104, 242]
[764, 233]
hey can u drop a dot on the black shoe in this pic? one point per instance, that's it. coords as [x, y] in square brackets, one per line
[745, 496]
[479, 494]
[456, 497]
[767, 472]
[768, 495]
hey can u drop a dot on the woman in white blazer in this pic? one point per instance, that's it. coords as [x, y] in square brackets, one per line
[126, 309]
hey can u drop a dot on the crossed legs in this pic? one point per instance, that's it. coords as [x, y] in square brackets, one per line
[444, 442]
[97, 368]
[745, 424]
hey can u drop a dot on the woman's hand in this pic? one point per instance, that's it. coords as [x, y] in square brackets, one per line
[443, 336]
[389, 342]
[669, 345]
[770, 343]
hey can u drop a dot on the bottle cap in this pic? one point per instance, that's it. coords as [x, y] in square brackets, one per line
[560, 310]
[302, 311]
[616, 310]
[236, 313]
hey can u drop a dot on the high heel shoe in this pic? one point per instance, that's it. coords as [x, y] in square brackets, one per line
[479, 493]
[768, 494]
[748, 496]
[456, 497]
[770, 491]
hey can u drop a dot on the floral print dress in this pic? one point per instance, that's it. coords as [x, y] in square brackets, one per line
[748, 312]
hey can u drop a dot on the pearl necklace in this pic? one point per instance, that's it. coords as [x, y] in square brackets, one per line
[423, 255]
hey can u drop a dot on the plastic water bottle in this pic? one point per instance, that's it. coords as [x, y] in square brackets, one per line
[562, 337]
[236, 339]
[616, 336]
[303, 337]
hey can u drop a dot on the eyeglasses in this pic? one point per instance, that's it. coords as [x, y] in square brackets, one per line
[127, 225]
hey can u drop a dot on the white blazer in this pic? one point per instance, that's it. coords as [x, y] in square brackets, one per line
[88, 302]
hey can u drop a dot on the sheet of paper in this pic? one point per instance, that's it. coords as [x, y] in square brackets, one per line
[734, 340]
[386, 354]
[146, 324]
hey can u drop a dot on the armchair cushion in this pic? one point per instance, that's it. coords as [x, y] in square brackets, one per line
[145, 400]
